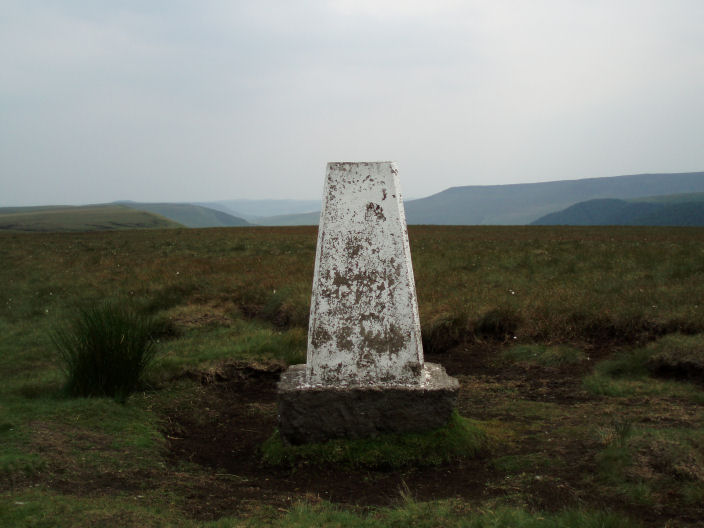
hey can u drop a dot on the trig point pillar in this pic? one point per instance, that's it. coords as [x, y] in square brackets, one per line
[364, 326]
[365, 372]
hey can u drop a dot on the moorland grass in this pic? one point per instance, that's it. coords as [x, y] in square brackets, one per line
[546, 284]
[460, 438]
[586, 288]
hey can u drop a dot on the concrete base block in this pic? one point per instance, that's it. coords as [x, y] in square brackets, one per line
[318, 413]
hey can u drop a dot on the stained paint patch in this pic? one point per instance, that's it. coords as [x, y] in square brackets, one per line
[364, 325]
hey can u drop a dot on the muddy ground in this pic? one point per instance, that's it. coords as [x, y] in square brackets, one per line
[539, 413]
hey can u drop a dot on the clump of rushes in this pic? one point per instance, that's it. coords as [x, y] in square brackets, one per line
[104, 350]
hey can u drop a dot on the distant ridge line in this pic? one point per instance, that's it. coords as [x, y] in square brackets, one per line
[569, 181]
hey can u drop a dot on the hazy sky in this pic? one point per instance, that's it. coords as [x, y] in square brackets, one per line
[178, 100]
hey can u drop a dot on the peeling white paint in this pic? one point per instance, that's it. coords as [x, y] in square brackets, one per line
[364, 326]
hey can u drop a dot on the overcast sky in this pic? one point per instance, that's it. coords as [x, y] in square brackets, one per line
[180, 100]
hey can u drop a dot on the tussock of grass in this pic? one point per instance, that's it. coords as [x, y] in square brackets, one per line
[627, 374]
[680, 356]
[105, 350]
[288, 306]
[630, 364]
[498, 323]
[624, 326]
[14, 463]
[460, 438]
[444, 331]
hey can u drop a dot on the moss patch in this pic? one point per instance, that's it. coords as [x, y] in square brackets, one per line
[460, 438]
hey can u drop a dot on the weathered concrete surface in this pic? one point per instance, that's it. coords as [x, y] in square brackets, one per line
[364, 326]
[318, 413]
[365, 373]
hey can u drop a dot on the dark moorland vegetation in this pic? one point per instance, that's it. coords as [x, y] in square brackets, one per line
[580, 354]
[677, 210]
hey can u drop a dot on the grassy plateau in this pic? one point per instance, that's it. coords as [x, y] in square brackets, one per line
[579, 351]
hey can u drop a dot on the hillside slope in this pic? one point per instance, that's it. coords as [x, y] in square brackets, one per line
[653, 211]
[255, 210]
[190, 215]
[524, 203]
[103, 217]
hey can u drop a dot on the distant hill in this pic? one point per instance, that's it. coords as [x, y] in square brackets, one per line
[103, 217]
[674, 210]
[256, 210]
[290, 220]
[673, 198]
[190, 215]
[525, 203]
[520, 204]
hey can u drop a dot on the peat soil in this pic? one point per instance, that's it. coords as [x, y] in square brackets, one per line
[242, 405]
[223, 428]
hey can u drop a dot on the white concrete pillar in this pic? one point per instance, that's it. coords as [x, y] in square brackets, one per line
[364, 326]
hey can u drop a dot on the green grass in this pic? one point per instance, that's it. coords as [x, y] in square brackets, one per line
[445, 513]
[626, 388]
[242, 340]
[642, 463]
[78, 438]
[460, 438]
[40, 509]
[628, 374]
